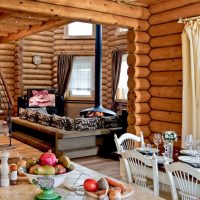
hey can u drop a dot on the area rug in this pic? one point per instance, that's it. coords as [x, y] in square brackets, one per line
[7, 147]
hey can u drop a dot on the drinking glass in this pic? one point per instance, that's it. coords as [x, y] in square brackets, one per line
[148, 152]
[157, 139]
[188, 141]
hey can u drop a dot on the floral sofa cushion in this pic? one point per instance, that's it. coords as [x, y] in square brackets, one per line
[44, 119]
[22, 113]
[85, 123]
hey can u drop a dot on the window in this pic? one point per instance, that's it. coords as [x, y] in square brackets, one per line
[122, 89]
[77, 30]
[82, 77]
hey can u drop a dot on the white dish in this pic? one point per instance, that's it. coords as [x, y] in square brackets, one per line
[147, 150]
[188, 152]
[191, 160]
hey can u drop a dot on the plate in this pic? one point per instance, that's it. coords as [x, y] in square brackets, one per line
[127, 193]
[191, 160]
[147, 150]
[188, 152]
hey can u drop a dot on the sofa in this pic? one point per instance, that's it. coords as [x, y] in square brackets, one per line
[75, 138]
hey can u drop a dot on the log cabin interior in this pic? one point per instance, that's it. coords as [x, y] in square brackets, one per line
[148, 32]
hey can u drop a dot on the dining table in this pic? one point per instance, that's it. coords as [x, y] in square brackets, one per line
[24, 190]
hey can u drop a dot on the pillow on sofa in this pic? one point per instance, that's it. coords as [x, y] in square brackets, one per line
[44, 119]
[85, 123]
[58, 121]
[32, 115]
[110, 122]
[22, 113]
[68, 124]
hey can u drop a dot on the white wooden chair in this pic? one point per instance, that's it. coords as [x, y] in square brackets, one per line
[126, 142]
[186, 178]
[136, 164]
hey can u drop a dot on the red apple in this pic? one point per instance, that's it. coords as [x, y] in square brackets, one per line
[60, 169]
[90, 185]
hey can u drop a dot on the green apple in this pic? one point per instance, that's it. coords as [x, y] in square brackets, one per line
[48, 170]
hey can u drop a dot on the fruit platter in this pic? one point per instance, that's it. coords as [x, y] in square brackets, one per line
[46, 172]
[107, 188]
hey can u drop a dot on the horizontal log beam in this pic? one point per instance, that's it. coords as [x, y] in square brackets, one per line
[166, 65]
[166, 53]
[166, 91]
[174, 105]
[34, 29]
[175, 14]
[159, 127]
[164, 41]
[105, 7]
[165, 29]
[169, 5]
[53, 10]
[166, 78]
[165, 116]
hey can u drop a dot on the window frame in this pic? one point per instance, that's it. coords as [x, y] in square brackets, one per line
[67, 36]
[85, 98]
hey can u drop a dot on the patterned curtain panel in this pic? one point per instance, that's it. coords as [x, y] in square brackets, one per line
[64, 70]
[116, 68]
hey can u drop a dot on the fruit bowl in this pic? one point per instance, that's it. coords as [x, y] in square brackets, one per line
[47, 183]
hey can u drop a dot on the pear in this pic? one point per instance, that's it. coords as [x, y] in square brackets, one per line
[48, 170]
[65, 161]
[30, 162]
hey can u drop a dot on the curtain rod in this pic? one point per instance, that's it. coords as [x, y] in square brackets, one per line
[183, 20]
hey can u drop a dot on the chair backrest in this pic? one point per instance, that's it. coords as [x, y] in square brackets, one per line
[186, 178]
[135, 164]
[126, 141]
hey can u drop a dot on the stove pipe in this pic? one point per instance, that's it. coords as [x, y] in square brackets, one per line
[98, 78]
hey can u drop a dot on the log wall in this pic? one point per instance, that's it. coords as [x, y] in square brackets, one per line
[166, 64]
[138, 83]
[38, 76]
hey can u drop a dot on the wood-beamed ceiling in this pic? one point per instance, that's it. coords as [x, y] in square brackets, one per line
[20, 18]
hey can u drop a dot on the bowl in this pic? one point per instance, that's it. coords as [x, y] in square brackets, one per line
[47, 183]
[57, 179]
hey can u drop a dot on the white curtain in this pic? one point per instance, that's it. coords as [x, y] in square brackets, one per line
[191, 80]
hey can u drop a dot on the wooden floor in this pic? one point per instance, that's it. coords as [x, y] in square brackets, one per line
[93, 162]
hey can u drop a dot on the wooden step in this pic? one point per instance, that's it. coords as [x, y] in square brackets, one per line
[81, 152]
[32, 141]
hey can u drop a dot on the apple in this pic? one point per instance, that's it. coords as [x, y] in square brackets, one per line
[60, 169]
[13, 167]
[90, 185]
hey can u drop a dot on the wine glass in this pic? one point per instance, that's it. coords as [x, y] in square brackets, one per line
[157, 139]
